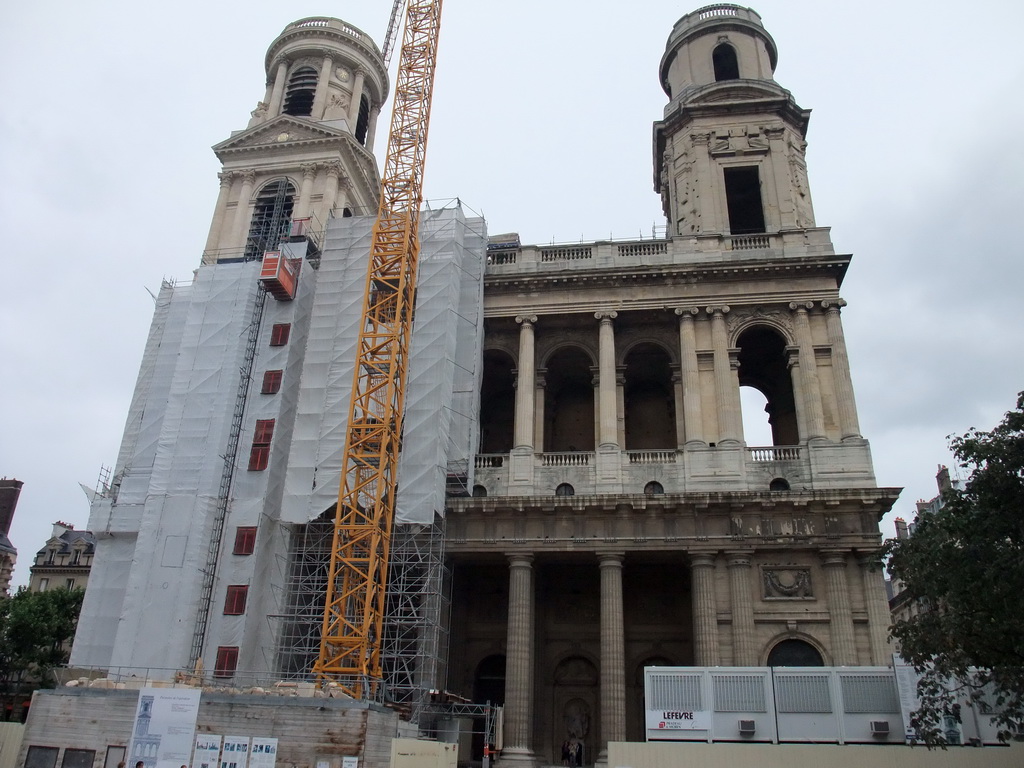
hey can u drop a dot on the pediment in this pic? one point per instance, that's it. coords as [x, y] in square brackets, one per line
[282, 131]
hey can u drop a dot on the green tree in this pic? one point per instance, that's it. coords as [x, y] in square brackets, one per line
[36, 630]
[964, 565]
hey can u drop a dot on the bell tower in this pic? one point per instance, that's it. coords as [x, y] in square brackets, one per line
[729, 152]
[306, 154]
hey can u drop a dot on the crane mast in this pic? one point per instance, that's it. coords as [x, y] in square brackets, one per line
[350, 646]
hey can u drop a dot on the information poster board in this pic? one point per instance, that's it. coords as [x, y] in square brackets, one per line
[207, 751]
[235, 753]
[165, 727]
[263, 752]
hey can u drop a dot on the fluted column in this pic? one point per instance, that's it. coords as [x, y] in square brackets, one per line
[744, 650]
[525, 383]
[848, 421]
[357, 95]
[305, 191]
[877, 607]
[844, 647]
[333, 181]
[814, 417]
[725, 397]
[705, 615]
[213, 239]
[519, 663]
[607, 412]
[320, 96]
[613, 654]
[277, 94]
[691, 378]
[241, 222]
[538, 400]
[371, 130]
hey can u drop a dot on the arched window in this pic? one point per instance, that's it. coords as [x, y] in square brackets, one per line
[764, 367]
[654, 488]
[271, 218]
[565, 490]
[363, 119]
[795, 653]
[479, 491]
[779, 484]
[569, 402]
[649, 400]
[298, 94]
[726, 65]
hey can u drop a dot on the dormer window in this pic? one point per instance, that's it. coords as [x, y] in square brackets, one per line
[76, 557]
[298, 95]
[726, 65]
[50, 554]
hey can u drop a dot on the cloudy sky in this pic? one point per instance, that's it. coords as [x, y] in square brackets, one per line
[542, 122]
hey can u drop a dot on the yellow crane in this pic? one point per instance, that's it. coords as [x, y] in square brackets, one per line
[350, 645]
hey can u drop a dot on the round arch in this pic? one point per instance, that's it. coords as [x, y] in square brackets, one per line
[621, 353]
[787, 649]
[764, 366]
[497, 402]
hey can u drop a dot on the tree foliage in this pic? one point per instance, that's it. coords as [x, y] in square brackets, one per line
[36, 630]
[964, 565]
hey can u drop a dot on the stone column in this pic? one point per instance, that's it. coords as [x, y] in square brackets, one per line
[844, 648]
[607, 420]
[333, 181]
[538, 400]
[277, 94]
[213, 240]
[320, 96]
[705, 615]
[519, 664]
[814, 417]
[877, 607]
[371, 130]
[613, 654]
[305, 191]
[357, 95]
[744, 649]
[691, 378]
[525, 383]
[241, 222]
[848, 422]
[725, 397]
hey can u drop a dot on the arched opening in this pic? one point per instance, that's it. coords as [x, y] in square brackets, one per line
[754, 407]
[569, 402]
[488, 687]
[576, 702]
[649, 407]
[497, 403]
[779, 484]
[727, 67]
[271, 218]
[565, 489]
[479, 492]
[363, 119]
[299, 93]
[654, 488]
[795, 653]
[763, 366]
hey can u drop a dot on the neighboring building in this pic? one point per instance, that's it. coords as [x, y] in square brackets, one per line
[65, 561]
[580, 403]
[10, 490]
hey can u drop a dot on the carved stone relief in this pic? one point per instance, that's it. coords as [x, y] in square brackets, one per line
[742, 316]
[792, 583]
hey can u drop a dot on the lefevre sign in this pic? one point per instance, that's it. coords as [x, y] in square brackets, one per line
[678, 720]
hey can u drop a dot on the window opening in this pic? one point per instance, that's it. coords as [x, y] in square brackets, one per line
[245, 540]
[272, 382]
[279, 334]
[76, 557]
[227, 661]
[565, 490]
[363, 120]
[726, 65]
[764, 368]
[569, 402]
[44, 583]
[649, 400]
[757, 430]
[497, 403]
[479, 491]
[41, 757]
[298, 95]
[234, 600]
[743, 198]
[779, 484]
[795, 653]
[69, 583]
[259, 456]
[78, 758]
[654, 488]
[271, 218]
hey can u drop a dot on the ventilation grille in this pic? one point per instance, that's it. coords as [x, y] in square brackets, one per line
[675, 691]
[869, 693]
[739, 693]
[802, 694]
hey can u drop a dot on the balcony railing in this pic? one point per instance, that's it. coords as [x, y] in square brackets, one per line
[775, 453]
[574, 459]
[490, 460]
[651, 457]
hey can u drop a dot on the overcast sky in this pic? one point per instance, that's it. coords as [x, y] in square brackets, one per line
[542, 122]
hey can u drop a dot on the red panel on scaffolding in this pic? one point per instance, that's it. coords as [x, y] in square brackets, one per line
[279, 275]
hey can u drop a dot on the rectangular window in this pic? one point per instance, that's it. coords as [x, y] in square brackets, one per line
[115, 754]
[259, 456]
[43, 584]
[279, 334]
[272, 382]
[245, 540]
[234, 602]
[70, 584]
[78, 758]
[76, 557]
[227, 661]
[41, 757]
[743, 198]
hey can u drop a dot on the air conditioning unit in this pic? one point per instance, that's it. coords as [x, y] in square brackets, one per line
[880, 728]
[747, 727]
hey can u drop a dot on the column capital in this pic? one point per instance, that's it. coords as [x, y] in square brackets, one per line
[327, 53]
[519, 560]
[610, 559]
[686, 313]
[248, 176]
[606, 316]
[226, 177]
[333, 168]
[833, 305]
[720, 311]
[359, 72]
[309, 170]
[801, 306]
[703, 559]
[280, 61]
[834, 558]
[739, 559]
[526, 320]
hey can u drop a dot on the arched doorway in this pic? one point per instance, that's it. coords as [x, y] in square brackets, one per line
[793, 652]
[569, 402]
[488, 686]
[576, 707]
[649, 399]
[763, 366]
